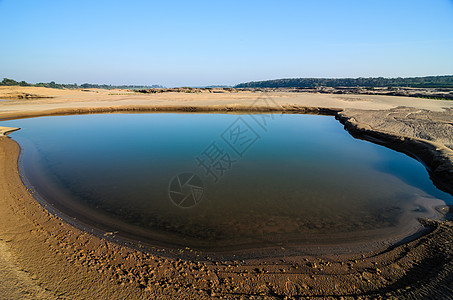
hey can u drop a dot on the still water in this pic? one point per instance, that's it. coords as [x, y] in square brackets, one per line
[220, 181]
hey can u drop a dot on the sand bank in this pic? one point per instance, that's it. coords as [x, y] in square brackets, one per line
[45, 257]
[6, 130]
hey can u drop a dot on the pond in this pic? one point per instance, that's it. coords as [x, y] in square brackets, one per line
[223, 181]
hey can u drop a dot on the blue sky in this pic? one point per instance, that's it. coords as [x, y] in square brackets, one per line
[179, 43]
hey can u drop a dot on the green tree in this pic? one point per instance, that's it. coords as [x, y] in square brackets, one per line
[7, 81]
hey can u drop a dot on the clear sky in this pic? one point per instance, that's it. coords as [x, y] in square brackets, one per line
[179, 43]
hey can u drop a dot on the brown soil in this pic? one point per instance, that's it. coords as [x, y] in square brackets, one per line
[42, 257]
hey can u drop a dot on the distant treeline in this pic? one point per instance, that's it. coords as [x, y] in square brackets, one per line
[420, 82]
[52, 84]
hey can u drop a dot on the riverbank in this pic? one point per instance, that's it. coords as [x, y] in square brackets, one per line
[44, 257]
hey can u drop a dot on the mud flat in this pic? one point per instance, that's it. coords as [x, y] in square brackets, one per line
[422, 134]
[43, 257]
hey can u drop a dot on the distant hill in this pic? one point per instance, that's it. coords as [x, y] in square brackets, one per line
[52, 84]
[420, 82]
[212, 86]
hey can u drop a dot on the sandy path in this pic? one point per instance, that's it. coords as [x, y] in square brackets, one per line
[43, 257]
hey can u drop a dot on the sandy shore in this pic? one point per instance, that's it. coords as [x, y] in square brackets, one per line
[42, 257]
[6, 130]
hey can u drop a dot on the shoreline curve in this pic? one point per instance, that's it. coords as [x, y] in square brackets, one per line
[436, 157]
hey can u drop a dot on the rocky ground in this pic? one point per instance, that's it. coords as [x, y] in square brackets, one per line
[425, 93]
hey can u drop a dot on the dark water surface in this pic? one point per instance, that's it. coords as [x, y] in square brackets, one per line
[243, 180]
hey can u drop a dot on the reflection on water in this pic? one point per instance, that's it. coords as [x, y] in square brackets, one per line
[244, 180]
